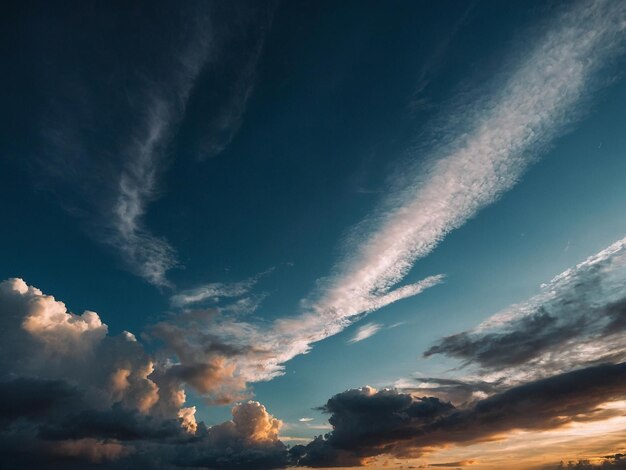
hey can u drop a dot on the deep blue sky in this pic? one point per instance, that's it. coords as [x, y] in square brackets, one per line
[339, 98]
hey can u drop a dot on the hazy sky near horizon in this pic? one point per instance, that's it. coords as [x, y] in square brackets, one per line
[396, 224]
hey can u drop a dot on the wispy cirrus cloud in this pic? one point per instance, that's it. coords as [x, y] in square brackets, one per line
[107, 148]
[468, 166]
[214, 291]
[366, 331]
[165, 107]
[138, 181]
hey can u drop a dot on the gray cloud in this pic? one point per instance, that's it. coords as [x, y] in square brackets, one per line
[579, 319]
[616, 462]
[367, 422]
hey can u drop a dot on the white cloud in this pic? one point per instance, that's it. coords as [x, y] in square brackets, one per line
[472, 165]
[365, 331]
[216, 291]
[138, 184]
[47, 321]
[305, 420]
[39, 337]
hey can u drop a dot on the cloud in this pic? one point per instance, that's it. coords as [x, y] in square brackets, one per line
[365, 331]
[72, 396]
[458, 392]
[219, 355]
[536, 98]
[216, 291]
[91, 450]
[578, 319]
[214, 133]
[535, 101]
[116, 404]
[468, 166]
[115, 139]
[305, 420]
[460, 463]
[368, 422]
[249, 440]
[206, 355]
[105, 149]
[616, 462]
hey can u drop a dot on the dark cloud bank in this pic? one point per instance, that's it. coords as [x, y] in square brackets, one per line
[51, 421]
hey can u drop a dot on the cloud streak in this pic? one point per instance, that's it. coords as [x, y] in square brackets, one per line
[214, 292]
[366, 331]
[535, 99]
[577, 320]
[138, 184]
[107, 148]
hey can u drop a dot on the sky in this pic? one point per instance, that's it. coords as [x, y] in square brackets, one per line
[259, 234]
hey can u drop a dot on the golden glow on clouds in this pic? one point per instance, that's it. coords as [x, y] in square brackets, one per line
[529, 450]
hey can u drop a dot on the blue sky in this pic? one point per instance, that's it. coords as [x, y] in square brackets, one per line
[285, 201]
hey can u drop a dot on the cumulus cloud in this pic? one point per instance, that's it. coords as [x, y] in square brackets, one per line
[249, 440]
[578, 319]
[365, 331]
[112, 403]
[473, 164]
[47, 321]
[368, 422]
[41, 338]
[206, 356]
[616, 462]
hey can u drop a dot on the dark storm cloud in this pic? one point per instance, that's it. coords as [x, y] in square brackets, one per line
[33, 398]
[578, 320]
[368, 422]
[45, 422]
[116, 423]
